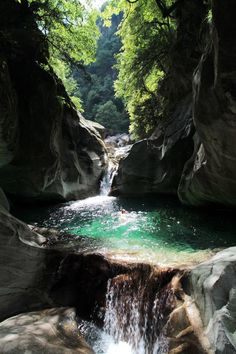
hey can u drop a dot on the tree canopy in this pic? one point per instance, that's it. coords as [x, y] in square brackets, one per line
[98, 96]
[143, 60]
[71, 32]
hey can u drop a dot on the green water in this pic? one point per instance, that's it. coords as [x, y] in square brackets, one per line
[159, 231]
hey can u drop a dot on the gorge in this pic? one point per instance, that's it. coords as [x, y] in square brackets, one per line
[134, 271]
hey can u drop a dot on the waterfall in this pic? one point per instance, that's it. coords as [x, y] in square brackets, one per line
[115, 154]
[137, 307]
[107, 179]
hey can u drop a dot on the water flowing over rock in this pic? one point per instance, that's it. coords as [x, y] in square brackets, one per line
[148, 309]
[47, 150]
[134, 310]
[210, 175]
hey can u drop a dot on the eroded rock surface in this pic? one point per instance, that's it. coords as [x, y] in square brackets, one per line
[210, 176]
[52, 331]
[213, 287]
[155, 165]
[47, 150]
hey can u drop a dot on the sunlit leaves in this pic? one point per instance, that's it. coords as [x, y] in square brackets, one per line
[70, 29]
[143, 60]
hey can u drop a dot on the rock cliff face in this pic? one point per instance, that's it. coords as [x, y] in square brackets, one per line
[210, 176]
[165, 165]
[214, 291]
[47, 151]
[155, 165]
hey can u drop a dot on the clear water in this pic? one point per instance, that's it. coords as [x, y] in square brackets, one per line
[155, 230]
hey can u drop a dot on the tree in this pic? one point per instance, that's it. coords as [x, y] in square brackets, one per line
[71, 33]
[98, 92]
[143, 60]
[161, 47]
[108, 115]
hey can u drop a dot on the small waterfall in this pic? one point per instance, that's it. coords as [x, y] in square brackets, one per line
[107, 179]
[117, 148]
[137, 308]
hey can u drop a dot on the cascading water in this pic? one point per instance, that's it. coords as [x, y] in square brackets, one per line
[137, 308]
[115, 154]
[107, 179]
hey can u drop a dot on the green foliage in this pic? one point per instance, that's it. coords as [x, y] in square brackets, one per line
[71, 33]
[108, 115]
[69, 28]
[143, 60]
[97, 93]
[63, 71]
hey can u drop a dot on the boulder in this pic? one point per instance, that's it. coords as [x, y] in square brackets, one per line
[55, 153]
[49, 331]
[95, 126]
[213, 287]
[210, 175]
[155, 165]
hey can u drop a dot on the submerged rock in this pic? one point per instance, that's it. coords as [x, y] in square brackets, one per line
[155, 165]
[52, 331]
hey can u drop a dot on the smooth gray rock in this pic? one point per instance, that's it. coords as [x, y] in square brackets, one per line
[213, 287]
[210, 175]
[52, 331]
[155, 165]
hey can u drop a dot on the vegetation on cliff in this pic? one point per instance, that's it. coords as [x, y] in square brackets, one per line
[158, 41]
[71, 34]
[97, 89]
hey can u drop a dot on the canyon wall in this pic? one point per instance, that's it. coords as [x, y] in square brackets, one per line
[192, 154]
[47, 150]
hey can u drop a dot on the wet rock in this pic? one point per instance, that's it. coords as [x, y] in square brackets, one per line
[212, 286]
[210, 175]
[49, 331]
[155, 165]
[34, 275]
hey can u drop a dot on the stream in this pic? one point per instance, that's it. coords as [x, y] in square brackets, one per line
[152, 230]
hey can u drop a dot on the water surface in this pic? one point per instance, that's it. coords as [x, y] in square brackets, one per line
[155, 230]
